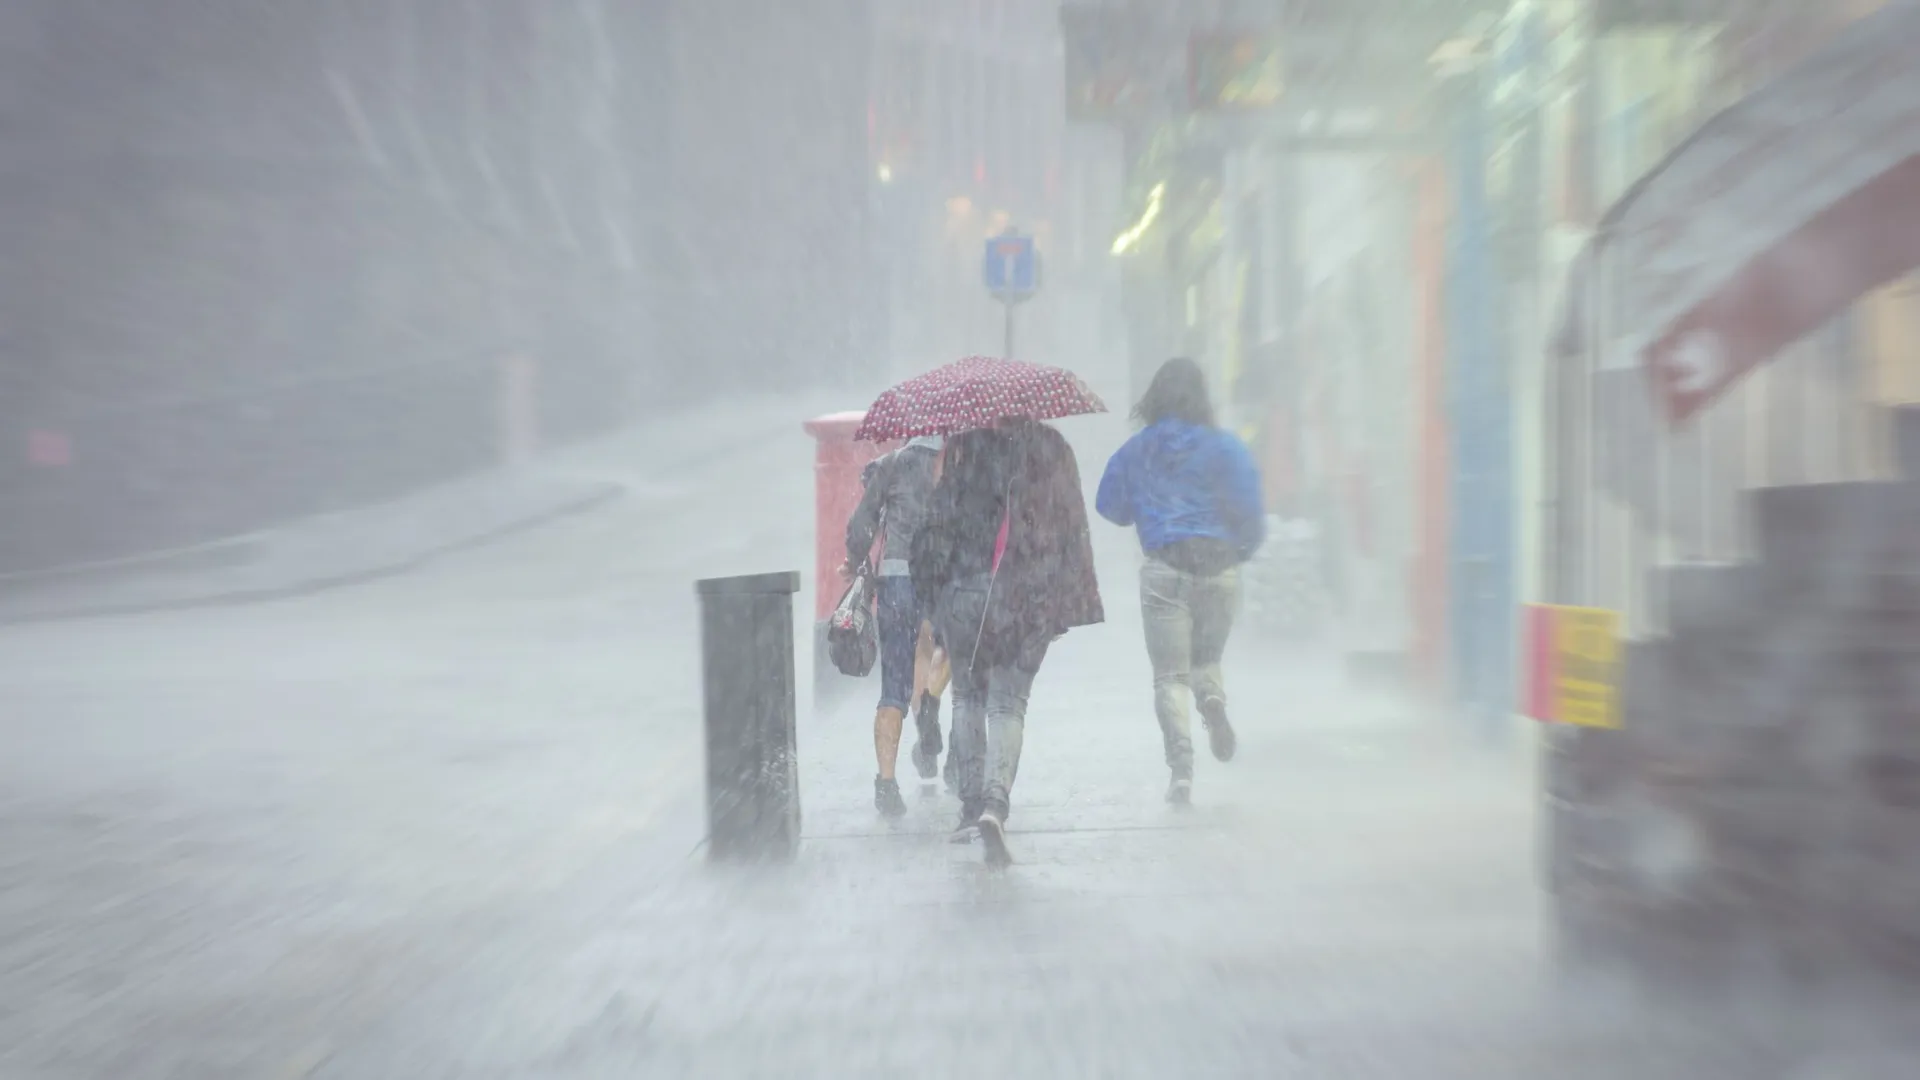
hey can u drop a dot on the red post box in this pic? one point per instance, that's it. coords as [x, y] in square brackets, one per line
[837, 461]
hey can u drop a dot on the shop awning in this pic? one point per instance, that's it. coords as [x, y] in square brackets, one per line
[1771, 219]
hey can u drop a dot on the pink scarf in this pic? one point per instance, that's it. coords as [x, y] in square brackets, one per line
[1000, 542]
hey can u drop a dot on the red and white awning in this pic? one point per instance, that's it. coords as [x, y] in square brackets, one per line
[1770, 220]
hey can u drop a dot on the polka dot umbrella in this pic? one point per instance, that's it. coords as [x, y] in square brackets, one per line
[974, 393]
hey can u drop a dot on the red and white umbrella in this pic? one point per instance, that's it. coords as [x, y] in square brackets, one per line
[975, 393]
[1774, 217]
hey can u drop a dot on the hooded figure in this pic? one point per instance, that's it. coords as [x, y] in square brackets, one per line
[1005, 561]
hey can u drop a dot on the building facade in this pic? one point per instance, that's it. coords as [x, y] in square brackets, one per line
[268, 263]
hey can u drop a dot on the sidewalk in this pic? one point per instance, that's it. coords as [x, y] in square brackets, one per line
[394, 537]
[1352, 897]
[348, 845]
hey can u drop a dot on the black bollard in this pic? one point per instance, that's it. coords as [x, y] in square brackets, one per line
[753, 777]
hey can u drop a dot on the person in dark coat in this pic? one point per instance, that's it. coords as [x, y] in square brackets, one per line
[1005, 561]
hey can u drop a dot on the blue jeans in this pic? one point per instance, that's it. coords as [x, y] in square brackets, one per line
[989, 703]
[899, 628]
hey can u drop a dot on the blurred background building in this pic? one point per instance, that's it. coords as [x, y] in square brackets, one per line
[268, 262]
[1362, 217]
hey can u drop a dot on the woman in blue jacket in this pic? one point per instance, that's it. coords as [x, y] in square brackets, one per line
[1192, 492]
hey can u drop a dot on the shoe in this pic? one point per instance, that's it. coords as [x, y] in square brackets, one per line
[968, 828]
[949, 773]
[886, 798]
[1180, 792]
[993, 834]
[926, 717]
[926, 762]
[926, 752]
[1220, 736]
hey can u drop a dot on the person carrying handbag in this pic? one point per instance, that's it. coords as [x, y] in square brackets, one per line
[892, 509]
[1005, 562]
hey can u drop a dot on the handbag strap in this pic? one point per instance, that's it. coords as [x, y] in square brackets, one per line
[1006, 524]
[999, 549]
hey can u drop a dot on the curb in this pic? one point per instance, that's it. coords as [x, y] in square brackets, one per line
[210, 555]
[591, 500]
[227, 551]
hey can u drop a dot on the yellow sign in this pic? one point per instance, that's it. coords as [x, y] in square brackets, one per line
[1586, 646]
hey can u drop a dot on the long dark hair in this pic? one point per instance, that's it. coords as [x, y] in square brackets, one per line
[1178, 392]
[975, 461]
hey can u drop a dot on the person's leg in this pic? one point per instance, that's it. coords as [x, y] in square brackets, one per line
[942, 678]
[888, 720]
[1009, 687]
[1169, 630]
[926, 711]
[968, 752]
[897, 626]
[940, 670]
[1214, 602]
[922, 659]
[960, 609]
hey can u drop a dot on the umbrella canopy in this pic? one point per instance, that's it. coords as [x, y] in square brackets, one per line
[1770, 220]
[975, 393]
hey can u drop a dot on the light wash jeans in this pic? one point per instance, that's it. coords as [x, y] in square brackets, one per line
[1188, 618]
[989, 704]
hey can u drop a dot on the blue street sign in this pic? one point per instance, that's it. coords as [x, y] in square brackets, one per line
[1011, 268]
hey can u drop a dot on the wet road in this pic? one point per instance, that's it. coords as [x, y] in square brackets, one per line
[445, 826]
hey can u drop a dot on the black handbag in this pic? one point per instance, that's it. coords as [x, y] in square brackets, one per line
[853, 636]
[853, 641]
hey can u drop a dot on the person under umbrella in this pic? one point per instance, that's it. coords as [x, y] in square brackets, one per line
[1192, 492]
[1005, 560]
[892, 508]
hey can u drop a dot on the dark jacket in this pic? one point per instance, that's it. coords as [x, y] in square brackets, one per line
[1046, 583]
[897, 487]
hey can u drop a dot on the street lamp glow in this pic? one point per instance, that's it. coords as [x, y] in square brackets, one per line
[1126, 240]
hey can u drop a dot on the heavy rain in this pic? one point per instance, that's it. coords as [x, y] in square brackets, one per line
[1332, 539]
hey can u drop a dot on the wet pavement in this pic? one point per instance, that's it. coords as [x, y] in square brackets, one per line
[447, 825]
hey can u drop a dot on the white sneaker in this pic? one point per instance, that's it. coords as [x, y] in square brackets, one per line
[993, 834]
[1180, 791]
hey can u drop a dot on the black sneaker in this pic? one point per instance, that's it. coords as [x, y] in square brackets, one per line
[993, 834]
[1180, 791]
[926, 752]
[886, 797]
[926, 762]
[1220, 737]
[950, 773]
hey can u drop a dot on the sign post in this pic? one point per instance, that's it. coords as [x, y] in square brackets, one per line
[1010, 270]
